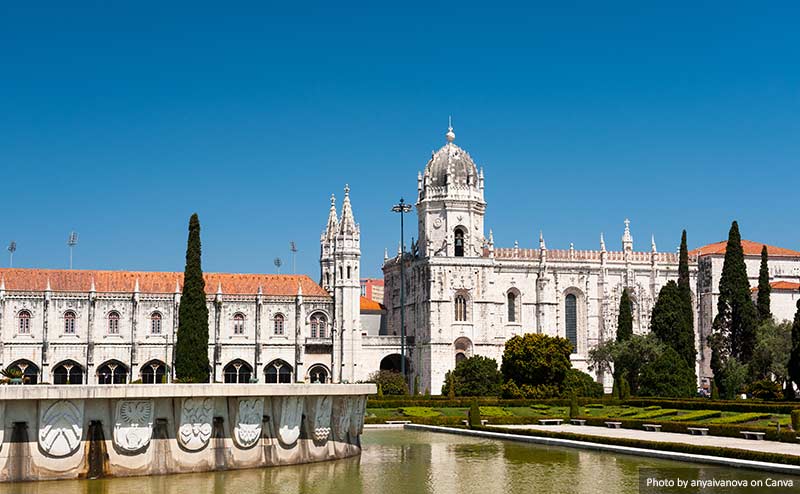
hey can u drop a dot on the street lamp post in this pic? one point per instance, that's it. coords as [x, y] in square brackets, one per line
[402, 208]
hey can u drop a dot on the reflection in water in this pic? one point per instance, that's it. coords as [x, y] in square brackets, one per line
[405, 462]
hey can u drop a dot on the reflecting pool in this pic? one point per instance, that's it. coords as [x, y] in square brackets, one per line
[406, 462]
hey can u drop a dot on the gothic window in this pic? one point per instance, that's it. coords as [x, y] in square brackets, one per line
[69, 322]
[461, 308]
[318, 326]
[238, 323]
[68, 372]
[155, 323]
[571, 320]
[29, 370]
[348, 272]
[328, 279]
[237, 371]
[154, 372]
[113, 322]
[278, 324]
[318, 374]
[112, 372]
[459, 242]
[512, 307]
[278, 371]
[24, 322]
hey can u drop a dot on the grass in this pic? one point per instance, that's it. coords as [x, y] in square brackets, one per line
[420, 412]
[740, 418]
[697, 415]
[651, 414]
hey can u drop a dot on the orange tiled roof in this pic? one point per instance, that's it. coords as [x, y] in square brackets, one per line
[367, 305]
[781, 285]
[749, 247]
[63, 280]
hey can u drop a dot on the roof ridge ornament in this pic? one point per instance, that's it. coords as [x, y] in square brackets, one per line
[451, 136]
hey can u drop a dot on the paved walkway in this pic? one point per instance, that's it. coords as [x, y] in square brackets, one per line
[669, 437]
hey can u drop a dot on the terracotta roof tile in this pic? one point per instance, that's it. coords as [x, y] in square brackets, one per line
[371, 305]
[749, 247]
[156, 282]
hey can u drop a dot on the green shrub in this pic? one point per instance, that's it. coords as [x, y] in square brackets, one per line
[741, 418]
[390, 382]
[595, 405]
[474, 415]
[581, 384]
[796, 420]
[653, 407]
[628, 413]
[655, 413]
[574, 410]
[539, 406]
[474, 376]
[765, 390]
[494, 412]
[537, 360]
[419, 412]
[697, 415]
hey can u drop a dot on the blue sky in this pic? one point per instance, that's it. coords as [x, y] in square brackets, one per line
[120, 121]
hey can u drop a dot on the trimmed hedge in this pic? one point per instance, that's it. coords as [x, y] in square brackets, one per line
[663, 446]
[724, 430]
[740, 418]
[450, 421]
[697, 415]
[658, 412]
[721, 405]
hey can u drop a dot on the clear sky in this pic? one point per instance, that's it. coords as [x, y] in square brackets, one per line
[120, 121]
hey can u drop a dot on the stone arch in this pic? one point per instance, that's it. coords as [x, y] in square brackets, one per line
[318, 373]
[237, 371]
[514, 305]
[68, 372]
[460, 241]
[30, 371]
[462, 307]
[462, 348]
[278, 372]
[154, 372]
[392, 362]
[112, 372]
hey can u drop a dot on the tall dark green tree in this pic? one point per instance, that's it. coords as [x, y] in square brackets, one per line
[683, 265]
[191, 347]
[737, 317]
[673, 326]
[625, 317]
[794, 357]
[762, 303]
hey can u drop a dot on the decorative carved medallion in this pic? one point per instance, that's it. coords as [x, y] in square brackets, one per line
[289, 415]
[60, 427]
[437, 223]
[133, 424]
[196, 417]
[248, 421]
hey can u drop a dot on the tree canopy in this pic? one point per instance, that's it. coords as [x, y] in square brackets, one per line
[763, 300]
[672, 325]
[536, 359]
[625, 317]
[474, 376]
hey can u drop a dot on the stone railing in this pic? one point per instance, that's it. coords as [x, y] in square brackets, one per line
[64, 432]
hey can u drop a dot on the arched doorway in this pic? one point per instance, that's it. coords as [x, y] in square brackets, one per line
[30, 371]
[154, 372]
[112, 372]
[318, 374]
[278, 372]
[463, 348]
[68, 372]
[392, 363]
[238, 371]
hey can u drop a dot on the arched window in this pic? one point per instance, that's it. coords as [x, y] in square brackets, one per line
[29, 370]
[238, 323]
[348, 272]
[459, 242]
[154, 372]
[571, 320]
[68, 372]
[461, 308]
[24, 325]
[512, 307]
[318, 374]
[460, 356]
[237, 371]
[155, 323]
[463, 348]
[318, 326]
[328, 279]
[112, 372]
[69, 322]
[278, 371]
[279, 324]
[113, 322]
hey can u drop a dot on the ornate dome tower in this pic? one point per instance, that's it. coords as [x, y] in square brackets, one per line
[450, 204]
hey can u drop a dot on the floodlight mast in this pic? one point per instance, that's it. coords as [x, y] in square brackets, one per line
[12, 247]
[278, 263]
[293, 250]
[72, 241]
[402, 207]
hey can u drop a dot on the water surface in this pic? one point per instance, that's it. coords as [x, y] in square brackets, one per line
[406, 462]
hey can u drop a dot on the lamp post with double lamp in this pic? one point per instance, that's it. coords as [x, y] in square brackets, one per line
[402, 208]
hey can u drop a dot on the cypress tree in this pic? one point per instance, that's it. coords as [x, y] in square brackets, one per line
[794, 357]
[683, 265]
[625, 318]
[191, 347]
[672, 325]
[737, 317]
[762, 303]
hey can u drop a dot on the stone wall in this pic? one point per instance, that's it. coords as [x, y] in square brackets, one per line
[67, 432]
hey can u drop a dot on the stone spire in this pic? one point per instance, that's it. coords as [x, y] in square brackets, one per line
[490, 243]
[333, 222]
[542, 246]
[653, 244]
[385, 254]
[627, 238]
[347, 224]
[451, 136]
[602, 243]
[92, 291]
